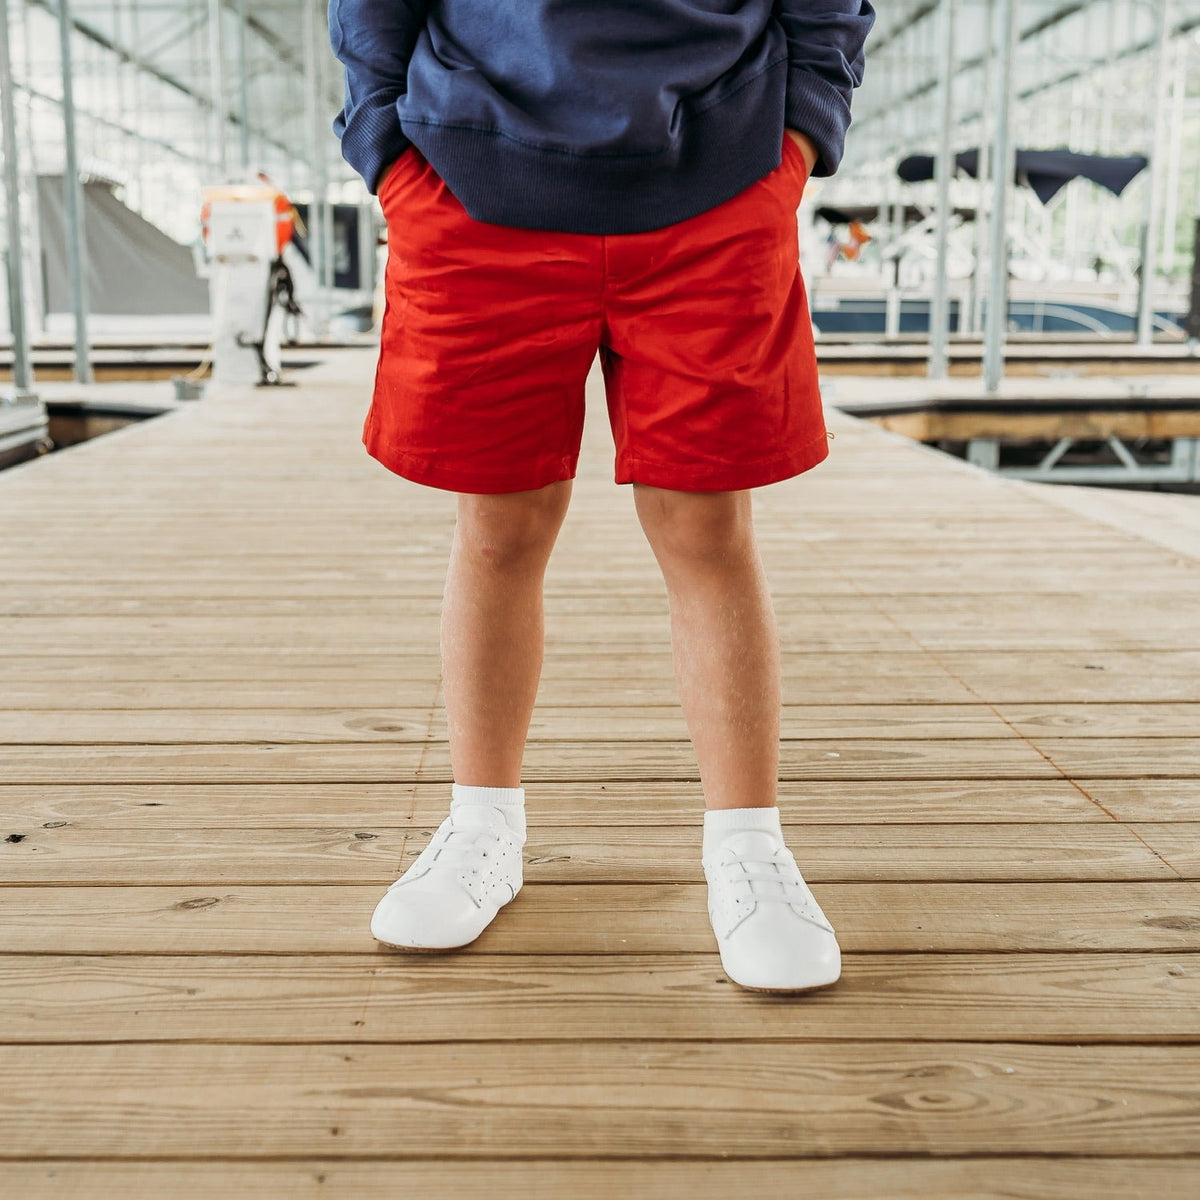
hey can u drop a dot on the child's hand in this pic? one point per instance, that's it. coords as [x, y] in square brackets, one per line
[807, 147]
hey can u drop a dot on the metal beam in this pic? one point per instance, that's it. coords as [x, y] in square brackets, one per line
[1078, 71]
[172, 81]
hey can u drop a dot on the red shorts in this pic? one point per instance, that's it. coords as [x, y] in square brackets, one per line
[489, 331]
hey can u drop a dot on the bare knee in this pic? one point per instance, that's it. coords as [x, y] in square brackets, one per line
[699, 527]
[515, 530]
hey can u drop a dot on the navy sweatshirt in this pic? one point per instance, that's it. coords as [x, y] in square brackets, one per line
[595, 116]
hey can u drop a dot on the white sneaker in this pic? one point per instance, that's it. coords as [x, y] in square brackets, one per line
[771, 933]
[448, 896]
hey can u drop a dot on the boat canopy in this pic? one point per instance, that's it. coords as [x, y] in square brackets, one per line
[1045, 171]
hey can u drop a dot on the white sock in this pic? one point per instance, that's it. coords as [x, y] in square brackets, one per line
[511, 800]
[718, 822]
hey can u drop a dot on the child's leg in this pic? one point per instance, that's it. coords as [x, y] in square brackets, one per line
[492, 628]
[724, 637]
[771, 933]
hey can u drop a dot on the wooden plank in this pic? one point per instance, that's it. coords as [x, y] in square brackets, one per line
[1172, 522]
[1057, 622]
[1107, 720]
[578, 1099]
[618, 612]
[907, 676]
[1140, 757]
[293, 999]
[173, 724]
[1079, 676]
[978, 1177]
[29, 590]
[1099, 423]
[1147, 800]
[230, 537]
[87, 634]
[876, 572]
[642, 608]
[647, 918]
[584, 855]
[983, 758]
[557, 805]
[1176, 844]
[318, 681]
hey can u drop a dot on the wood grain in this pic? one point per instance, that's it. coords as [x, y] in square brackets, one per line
[222, 735]
[483, 996]
[77, 853]
[647, 918]
[977, 1177]
[581, 1099]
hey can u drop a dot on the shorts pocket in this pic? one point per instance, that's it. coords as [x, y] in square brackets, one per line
[798, 163]
[393, 172]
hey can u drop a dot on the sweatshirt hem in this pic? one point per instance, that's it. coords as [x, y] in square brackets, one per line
[502, 181]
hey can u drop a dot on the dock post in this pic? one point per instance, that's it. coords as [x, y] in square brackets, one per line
[984, 452]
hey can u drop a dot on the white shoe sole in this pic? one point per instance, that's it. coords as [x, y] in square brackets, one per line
[808, 987]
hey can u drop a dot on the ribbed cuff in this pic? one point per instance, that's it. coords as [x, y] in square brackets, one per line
[815, 107]
[372, 138]
[718, 822]
[503, 797]
[510, 801]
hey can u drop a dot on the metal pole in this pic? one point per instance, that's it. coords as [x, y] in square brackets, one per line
[73, 200]
[328, 258]
[1004, 158]
[939, 309]
[1153, 186]
[1075, 142]
[1175, 153]
[316, 160]
[367, 242]
[243, 85]
[893, 140]
[329, 263]
[216, 83]
[22, 374]
[982, 176]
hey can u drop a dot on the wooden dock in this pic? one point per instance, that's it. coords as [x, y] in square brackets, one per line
[222, 739]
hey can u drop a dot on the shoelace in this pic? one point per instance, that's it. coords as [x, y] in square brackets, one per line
[464, 848]
[791, 891]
